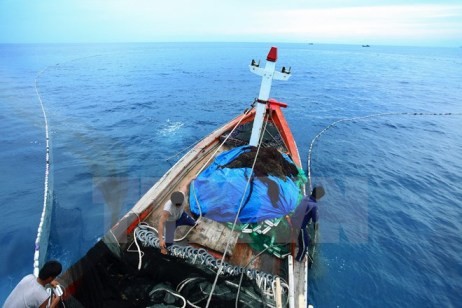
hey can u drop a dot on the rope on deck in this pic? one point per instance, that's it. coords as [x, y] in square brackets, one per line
[265, 281]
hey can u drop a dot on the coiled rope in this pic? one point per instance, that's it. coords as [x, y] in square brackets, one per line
[148, 238]
[363, 118]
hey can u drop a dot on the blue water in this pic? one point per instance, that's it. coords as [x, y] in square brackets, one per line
[391, 232]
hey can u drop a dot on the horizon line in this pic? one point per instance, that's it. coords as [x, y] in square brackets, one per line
[309, 43]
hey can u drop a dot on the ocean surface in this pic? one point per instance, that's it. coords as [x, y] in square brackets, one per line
[120, 114]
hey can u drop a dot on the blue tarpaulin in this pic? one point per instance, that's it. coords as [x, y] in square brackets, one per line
[220, 191]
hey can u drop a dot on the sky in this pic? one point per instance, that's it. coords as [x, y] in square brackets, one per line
[384, 22]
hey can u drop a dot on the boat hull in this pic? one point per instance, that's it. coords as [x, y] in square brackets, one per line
[210, 236]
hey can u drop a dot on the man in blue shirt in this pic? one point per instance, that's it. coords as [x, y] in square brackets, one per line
[307, 210]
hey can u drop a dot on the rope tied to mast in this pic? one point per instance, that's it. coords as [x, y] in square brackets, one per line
[228, 241]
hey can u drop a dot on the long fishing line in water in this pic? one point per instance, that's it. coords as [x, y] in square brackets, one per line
[46, 180]
[359, 118]
[43, 229]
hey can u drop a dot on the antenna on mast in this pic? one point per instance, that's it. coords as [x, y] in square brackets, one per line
[268, 73]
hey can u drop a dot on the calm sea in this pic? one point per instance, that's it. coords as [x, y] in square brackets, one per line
[391, 232]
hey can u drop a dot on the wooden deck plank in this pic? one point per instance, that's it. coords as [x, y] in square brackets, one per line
[213, 235]
[301, 283]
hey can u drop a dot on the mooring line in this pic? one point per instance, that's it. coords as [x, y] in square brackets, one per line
[362, 118]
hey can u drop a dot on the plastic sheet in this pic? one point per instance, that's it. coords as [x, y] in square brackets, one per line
[221, 190]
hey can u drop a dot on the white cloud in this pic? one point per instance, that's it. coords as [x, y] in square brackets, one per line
[400, 21]
[237, 20]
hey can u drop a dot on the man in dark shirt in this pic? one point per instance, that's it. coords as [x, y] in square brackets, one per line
[307, 210]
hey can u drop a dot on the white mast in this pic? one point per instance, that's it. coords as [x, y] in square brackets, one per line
[268, 74]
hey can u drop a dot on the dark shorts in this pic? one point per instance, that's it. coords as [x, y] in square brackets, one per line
[170, 226]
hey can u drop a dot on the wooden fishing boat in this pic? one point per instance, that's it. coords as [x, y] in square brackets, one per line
[241, 252]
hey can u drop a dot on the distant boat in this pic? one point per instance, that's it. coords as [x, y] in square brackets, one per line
[366, 45]
[310, 43]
